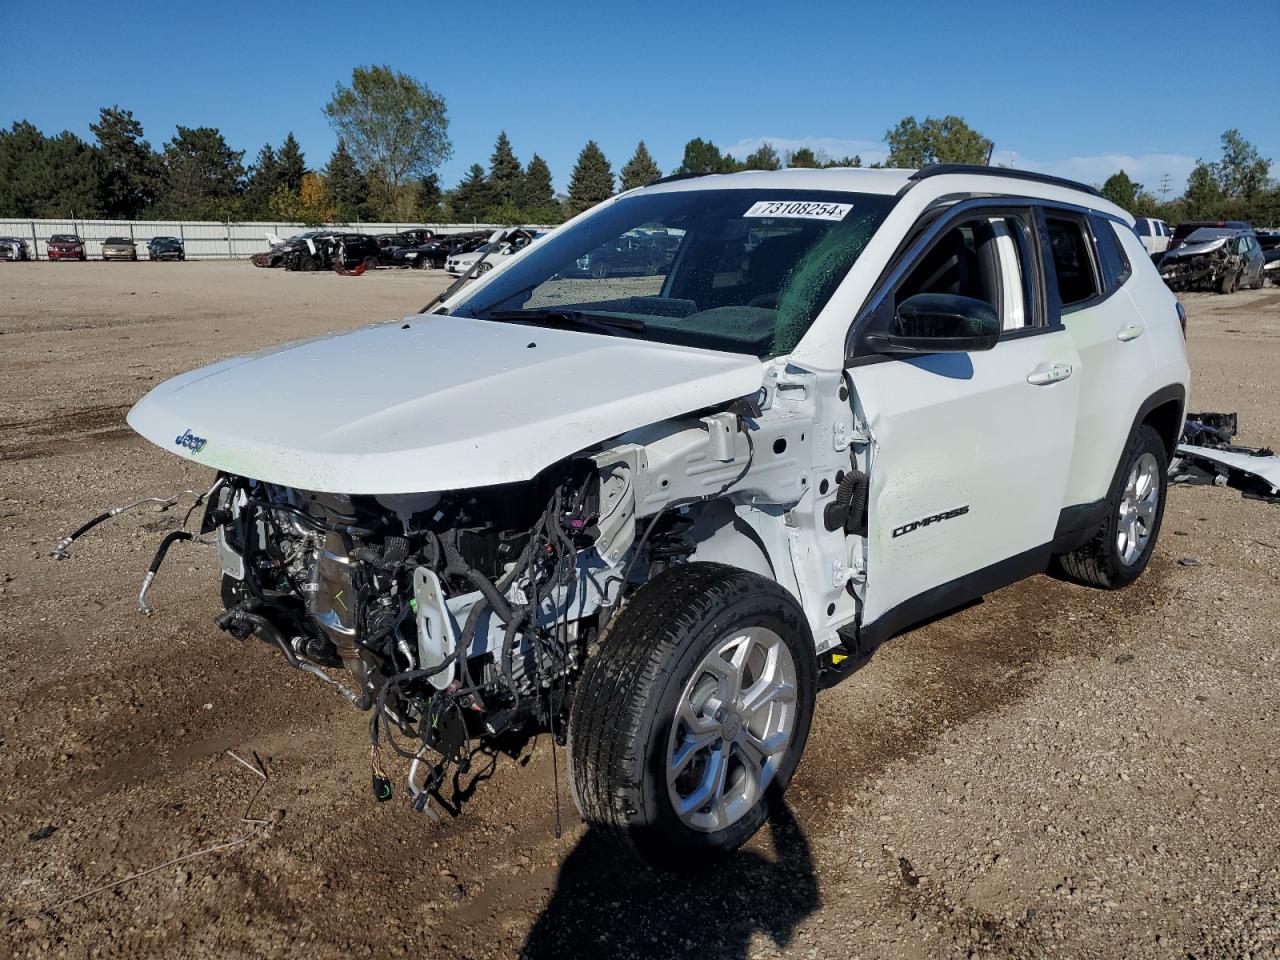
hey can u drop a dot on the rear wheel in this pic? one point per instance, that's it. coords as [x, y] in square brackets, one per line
[370, 262]
[600, 270]
[1120, 551]
[692, 715]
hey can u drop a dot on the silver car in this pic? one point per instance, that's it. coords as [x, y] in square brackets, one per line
[11, 248]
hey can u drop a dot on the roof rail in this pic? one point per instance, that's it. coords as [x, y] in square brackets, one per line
[679, 176]
[978, 169]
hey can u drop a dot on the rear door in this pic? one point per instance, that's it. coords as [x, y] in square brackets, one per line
[970, 452]
[1088, 269]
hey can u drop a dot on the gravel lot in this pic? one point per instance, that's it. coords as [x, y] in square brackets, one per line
[1053, 772]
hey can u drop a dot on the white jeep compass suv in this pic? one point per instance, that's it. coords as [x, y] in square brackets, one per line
[643, 510]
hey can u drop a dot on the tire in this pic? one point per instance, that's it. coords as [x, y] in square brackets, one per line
[1103, 561]
[484, 268]
[625, 732]
[370, 263]
[1229, 283]
[309, 264]
[600, 270]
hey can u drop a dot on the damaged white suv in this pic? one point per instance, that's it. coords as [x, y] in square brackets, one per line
[642, 509]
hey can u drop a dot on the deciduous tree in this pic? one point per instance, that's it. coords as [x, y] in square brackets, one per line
[935, 140]
[395, 126]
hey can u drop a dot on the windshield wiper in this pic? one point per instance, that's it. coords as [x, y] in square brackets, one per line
[569, 318]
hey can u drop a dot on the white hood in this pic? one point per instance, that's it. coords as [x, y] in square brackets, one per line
[429, 403]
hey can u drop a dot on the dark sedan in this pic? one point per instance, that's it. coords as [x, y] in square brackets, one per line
[166, 248]
[435, 251]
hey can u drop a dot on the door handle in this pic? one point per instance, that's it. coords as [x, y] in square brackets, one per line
[1131, 332]
[1050, 374]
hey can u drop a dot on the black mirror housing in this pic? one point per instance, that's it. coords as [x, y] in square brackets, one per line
[938, 323]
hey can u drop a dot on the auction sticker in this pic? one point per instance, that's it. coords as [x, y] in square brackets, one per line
[799, 210]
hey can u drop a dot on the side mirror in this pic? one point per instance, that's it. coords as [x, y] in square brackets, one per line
[938, 323]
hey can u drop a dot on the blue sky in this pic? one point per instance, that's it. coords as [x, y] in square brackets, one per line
[1079, 89]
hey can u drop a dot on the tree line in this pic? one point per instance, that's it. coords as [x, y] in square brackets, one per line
[1236, 186]
[393, 135]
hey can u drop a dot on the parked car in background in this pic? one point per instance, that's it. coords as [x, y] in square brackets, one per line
[633, 255]
[13, 248]
[166, 248]
[459, 263]
[434, 252]
[1215, 258]
[1184, 230]
[65, 246]
[1154, 234]
[119, 248]
[1268, 240]
[389, 244]
[1271, 269]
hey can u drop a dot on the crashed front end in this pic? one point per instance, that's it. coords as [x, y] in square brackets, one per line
[1200, 266]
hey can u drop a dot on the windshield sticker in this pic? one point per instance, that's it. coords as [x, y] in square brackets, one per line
[799, 210]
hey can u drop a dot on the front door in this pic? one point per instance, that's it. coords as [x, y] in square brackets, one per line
[970, 452]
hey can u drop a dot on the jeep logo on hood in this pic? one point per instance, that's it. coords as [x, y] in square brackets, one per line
[191, 441]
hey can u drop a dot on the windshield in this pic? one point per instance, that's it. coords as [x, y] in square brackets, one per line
[64, 238]
[745, 271]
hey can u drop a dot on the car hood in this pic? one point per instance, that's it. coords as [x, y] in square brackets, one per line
[429, 403]
[1196, 249]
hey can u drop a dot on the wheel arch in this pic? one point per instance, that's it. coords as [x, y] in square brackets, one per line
[1164, 411]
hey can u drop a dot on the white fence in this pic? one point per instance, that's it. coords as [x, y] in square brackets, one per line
[203, 240]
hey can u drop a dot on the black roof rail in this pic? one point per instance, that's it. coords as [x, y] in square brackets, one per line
[678, 176]
[942, 169]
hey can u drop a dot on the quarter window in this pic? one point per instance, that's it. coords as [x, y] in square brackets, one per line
[1115, 265]
[1069, 248]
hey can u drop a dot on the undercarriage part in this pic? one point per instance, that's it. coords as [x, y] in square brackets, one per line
[1206, 456]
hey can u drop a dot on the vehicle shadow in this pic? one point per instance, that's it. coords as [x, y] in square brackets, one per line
[607, 906]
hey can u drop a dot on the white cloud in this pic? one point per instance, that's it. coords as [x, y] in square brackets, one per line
[834, 147]
[1147, 169]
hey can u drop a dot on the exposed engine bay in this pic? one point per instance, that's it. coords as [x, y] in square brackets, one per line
[377, 584]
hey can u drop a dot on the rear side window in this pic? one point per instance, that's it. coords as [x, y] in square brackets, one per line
[1111, 256]
[1069, 249]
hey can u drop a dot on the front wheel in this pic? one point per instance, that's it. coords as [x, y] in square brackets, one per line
[1229, 283]
[1120, 551]
[692, 715]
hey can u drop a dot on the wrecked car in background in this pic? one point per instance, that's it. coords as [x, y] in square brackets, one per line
[343, 252]
[644, 512]
[275, 255]
[1224, 259]
[13, 248]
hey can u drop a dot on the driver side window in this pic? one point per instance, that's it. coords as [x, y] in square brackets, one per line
[983, 258]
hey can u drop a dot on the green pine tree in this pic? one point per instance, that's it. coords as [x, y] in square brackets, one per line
[591, 181]
[470, 201]
[505, 175]
[291, 163]
[348, 189]
[640, 169]
[131, 170]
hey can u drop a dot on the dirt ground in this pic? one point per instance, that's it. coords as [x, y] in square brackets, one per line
[1053, 772]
